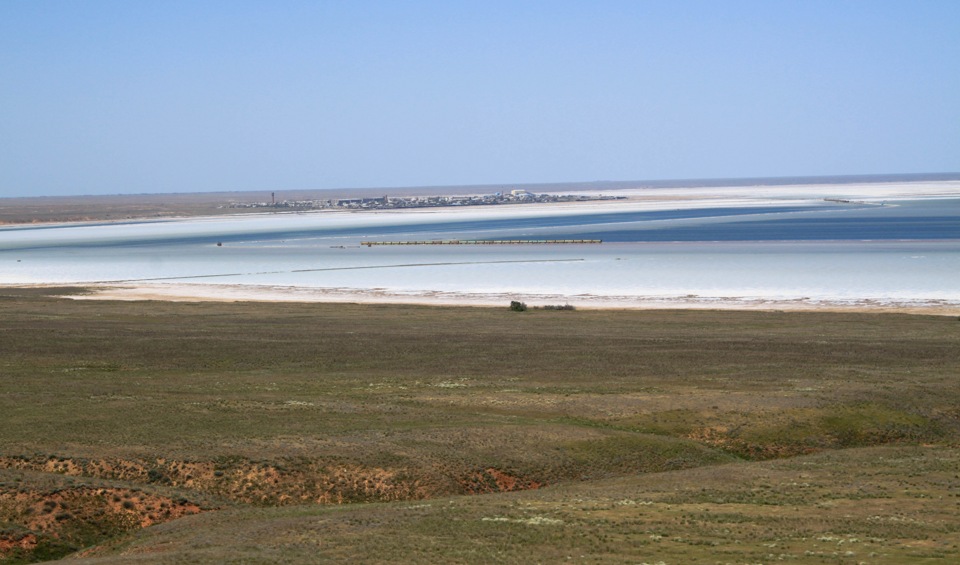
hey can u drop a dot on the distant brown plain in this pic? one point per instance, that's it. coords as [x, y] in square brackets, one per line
[120, 207]
[31, 210]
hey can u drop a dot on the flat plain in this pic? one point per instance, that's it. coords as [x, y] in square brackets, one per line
[282, 432]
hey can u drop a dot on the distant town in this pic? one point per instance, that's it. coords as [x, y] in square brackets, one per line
[392, 202]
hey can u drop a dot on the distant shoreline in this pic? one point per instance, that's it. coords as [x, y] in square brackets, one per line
[35, 210]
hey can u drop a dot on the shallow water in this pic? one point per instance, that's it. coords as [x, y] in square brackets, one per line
[897, 254]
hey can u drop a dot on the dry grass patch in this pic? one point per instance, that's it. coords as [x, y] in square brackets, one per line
[261, 405]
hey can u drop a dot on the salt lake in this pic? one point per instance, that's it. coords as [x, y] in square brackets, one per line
[748, 248]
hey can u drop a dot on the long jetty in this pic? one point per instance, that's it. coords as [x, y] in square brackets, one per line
[484, 242]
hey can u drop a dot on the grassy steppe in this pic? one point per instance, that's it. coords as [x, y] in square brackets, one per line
[236, 430]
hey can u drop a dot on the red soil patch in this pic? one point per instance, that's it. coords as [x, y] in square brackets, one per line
[494, 480]
[22, 541]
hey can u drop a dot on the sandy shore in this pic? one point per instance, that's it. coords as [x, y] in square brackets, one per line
[250, 293]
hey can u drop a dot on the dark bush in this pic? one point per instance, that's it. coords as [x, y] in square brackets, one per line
[157, 476]
[518, 306]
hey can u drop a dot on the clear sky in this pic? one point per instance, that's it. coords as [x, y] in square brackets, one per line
[105, 97]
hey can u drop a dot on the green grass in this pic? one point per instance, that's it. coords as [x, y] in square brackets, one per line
[245, 406]
[803, 510]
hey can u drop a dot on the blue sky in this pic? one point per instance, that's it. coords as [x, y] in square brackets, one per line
[101, 97]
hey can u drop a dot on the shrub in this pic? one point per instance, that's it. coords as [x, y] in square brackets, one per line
[517, 306]
[157, 476]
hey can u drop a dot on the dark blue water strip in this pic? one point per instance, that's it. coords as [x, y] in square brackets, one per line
[506, 226]
[792, 229]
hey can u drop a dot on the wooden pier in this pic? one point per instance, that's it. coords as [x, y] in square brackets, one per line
[485, 242]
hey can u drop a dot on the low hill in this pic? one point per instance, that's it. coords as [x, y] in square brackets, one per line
[153, 431]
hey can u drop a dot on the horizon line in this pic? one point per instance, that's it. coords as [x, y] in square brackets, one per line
[870, 178]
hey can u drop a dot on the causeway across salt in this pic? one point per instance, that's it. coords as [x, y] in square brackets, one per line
[482, 242]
